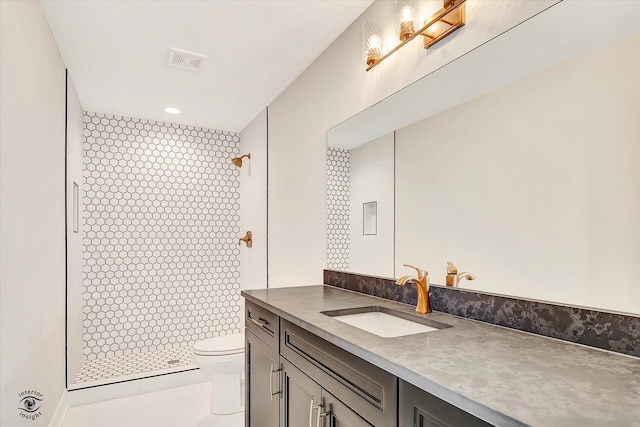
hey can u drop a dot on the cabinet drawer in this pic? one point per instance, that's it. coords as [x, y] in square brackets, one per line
[368, 390]
[263, 323]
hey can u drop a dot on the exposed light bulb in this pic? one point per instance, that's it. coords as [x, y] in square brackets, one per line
[374, 41]
[406, 14]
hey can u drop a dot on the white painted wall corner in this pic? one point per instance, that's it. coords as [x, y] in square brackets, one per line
[60, 413]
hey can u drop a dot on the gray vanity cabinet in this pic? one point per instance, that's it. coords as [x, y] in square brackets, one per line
[262, 380]
[417, 408]
[262, 367]
[294, 378]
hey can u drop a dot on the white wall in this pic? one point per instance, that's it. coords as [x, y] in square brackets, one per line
[534, 187]
[332, 89]
[372, 181]
[74, 240]
[253, 203]
[32, 248]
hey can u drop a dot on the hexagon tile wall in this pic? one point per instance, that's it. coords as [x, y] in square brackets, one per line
[161, 255]
[338, 208]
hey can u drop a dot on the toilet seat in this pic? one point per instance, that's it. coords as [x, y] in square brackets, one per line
[220, 346]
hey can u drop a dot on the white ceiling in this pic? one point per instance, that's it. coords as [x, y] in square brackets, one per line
[116, 52]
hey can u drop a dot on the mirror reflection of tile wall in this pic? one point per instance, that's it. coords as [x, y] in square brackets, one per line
[338, 206]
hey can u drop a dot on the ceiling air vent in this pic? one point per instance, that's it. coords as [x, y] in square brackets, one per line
[187, 60]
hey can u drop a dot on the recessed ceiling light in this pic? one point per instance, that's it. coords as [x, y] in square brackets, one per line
[172, 110]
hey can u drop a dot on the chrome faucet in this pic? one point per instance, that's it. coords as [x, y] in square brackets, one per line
[454, 278]
[422, 284]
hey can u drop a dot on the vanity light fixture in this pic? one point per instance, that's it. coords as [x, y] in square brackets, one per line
[441, 24]
[172, 110]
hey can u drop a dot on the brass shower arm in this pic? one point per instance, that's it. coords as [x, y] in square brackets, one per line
[238, 160]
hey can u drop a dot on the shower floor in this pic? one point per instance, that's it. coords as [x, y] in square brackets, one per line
[119, 368]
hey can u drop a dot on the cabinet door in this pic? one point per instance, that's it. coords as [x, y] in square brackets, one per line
[337, 414]
[262, 383]
[417, 408]
[301, 400]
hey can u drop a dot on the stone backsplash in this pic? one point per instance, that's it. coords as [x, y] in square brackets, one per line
[616, 332]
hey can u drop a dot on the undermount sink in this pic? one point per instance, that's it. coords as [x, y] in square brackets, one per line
[385, 322]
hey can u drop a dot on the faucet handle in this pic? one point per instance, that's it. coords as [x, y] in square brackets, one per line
[451, 269]
[421, 273]
[450, 278]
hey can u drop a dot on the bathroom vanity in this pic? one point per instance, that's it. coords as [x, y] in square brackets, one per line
[305, 366]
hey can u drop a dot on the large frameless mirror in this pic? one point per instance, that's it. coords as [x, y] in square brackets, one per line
[522, 169]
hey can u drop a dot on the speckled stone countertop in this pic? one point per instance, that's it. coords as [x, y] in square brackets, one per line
[503, 376]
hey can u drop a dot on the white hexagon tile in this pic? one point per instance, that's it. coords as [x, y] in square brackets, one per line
[338, 208]
[161, 255]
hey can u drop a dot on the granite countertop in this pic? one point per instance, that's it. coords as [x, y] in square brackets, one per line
[503, 376]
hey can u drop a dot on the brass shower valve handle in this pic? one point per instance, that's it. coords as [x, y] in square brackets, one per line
[247, 239]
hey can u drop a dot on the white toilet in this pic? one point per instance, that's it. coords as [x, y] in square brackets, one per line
[222, 358]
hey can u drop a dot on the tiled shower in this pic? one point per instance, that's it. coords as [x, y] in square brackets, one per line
[160, 211]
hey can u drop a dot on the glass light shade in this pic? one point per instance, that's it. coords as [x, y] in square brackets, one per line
[406, 21]
[372, 41]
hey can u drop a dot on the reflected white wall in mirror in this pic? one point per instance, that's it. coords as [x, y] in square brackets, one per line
[372, 178]
[534, 187]
[356, 177]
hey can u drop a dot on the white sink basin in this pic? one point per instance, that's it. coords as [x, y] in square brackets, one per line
[385, 322]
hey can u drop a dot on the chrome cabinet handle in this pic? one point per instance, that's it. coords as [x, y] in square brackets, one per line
[322, 414]
[319, 414]
[271, 372]
[258, 322]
